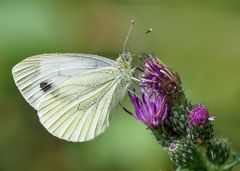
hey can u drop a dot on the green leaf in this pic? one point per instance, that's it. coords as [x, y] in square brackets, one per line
[231, 163]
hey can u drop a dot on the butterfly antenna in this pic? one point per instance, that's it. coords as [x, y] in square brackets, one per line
[136, 39]
[129, 32]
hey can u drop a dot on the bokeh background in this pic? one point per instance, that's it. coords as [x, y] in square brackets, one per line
[199, 39]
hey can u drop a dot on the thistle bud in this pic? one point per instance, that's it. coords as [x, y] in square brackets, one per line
[186, 155]
[200, 128]
[199, 116]
[218, 151]
[182, 152]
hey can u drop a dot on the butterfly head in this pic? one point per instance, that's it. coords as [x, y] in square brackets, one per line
[126, 56]
[125, 59]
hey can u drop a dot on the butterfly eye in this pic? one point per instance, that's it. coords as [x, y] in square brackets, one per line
[126, 56]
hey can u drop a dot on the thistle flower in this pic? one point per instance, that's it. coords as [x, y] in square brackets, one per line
[151, 109]
[158, 76]
[199, 115]
[184, 130]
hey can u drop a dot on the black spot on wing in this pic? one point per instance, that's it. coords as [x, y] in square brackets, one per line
[45, 86]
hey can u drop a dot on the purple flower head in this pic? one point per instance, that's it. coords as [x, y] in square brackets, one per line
[151, 109]
[158, 76]
[199, 115]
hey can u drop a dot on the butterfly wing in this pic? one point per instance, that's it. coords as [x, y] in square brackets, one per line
[37, 75]
[79, 109]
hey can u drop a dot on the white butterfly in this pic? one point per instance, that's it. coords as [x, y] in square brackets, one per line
[74, 94]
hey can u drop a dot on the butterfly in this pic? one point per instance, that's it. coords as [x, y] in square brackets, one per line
[74, 94]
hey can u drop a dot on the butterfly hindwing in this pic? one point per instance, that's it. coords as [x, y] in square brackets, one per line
[79, 109]
[37, 75]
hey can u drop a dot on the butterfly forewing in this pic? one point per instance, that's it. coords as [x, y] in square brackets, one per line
[37, 75]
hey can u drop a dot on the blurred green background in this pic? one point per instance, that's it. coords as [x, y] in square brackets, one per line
[199, 39]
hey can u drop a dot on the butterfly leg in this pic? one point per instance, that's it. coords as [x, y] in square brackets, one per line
[125, 109]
